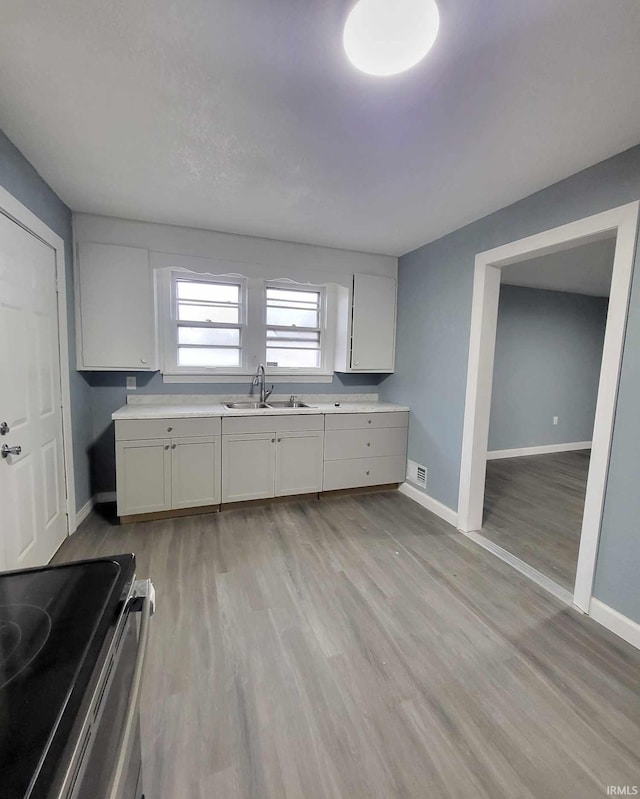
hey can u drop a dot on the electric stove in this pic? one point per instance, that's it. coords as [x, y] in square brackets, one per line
[55, 625]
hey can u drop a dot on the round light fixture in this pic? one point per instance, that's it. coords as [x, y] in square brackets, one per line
[384, 37]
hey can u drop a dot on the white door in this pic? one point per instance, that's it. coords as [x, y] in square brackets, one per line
[33, 522]
[299, 463]
[248, 466]
[143, 476]
[195, 472]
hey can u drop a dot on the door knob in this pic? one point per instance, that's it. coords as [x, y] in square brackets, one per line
[4, 428]
[7, 450]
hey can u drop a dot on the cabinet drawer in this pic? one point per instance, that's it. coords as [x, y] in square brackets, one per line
[130, 429]
[346, 444]
[363, 472]
[353, 421]
[272, 423]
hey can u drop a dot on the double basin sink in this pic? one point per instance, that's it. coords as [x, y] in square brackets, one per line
[257, 406]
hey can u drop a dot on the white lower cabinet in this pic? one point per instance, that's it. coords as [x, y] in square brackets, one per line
[171, 464]
[143, 476]
[164, 474]
[263, 465]
[248, 466]
[299, 463]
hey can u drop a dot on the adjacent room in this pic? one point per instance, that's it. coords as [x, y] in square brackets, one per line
[319, 378]
[552, 316]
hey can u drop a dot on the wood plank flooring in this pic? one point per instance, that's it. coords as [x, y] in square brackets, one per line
[360, 647]
[533, 508]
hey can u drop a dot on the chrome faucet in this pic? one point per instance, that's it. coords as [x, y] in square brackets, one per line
[258, 380]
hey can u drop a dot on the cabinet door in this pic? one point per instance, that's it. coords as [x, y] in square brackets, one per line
[248, 466]
[115, 308]
[195, 472]
[374, 323]
[298, 463]
[143, 476]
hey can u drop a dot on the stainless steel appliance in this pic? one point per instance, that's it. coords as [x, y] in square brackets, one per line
[73, 640]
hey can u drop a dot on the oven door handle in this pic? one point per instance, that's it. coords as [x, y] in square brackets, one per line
[143, 591]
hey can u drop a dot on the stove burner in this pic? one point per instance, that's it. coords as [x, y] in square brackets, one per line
[24, 630]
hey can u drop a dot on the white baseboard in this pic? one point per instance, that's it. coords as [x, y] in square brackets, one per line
[544, 449]
[104, 496]
[622, 626]
[84, 511]
[443, 511]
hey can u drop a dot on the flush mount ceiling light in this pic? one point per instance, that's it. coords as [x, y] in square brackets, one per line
[385, 37]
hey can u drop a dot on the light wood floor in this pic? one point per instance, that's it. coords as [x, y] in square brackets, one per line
[360, 647]
[533, 508]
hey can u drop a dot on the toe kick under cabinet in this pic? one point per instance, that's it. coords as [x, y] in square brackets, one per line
[363, 449]
[167, 464]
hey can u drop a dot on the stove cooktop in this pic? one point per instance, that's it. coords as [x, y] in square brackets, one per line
[53, 624]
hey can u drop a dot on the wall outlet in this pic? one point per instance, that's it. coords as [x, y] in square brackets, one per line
[131, 383]
[417, 474]
[555, 420]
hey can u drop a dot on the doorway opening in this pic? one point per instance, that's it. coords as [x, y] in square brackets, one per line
[618, 225]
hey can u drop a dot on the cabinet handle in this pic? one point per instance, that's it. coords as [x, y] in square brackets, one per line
[368, 443]
[143, 360]
[367, 472]
[273, 441]
[173, 446]
[166, 446]
[369, 421]
[356, 363]
[279, 440]
[169, 429]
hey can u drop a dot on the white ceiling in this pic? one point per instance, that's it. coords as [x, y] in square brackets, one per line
[582, 270]
[246, 116]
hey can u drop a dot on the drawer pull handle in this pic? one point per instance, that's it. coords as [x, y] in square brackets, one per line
[169, 429]
[367, 472]
[368, 443]
[166, 446]
[273, 441]
[279, 440]
[369, 421]
[173, 446]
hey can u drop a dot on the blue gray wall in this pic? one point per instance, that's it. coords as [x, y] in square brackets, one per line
[547, 363]
[109, 394]
[434, 316]
[21, 180]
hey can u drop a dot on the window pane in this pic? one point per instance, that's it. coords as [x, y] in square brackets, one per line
[299, 359]
[194, 312]
[207, 292]
[293, 338]
[307, 299]
[291, 316]
[201, 356]
[297, 335]
[209, 335]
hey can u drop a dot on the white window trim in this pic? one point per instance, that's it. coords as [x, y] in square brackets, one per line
[253, 336]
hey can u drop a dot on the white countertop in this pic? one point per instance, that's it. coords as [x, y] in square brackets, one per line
[174, 410]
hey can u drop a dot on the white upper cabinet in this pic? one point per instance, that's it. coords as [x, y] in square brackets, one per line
[366, 337]
[115, 314]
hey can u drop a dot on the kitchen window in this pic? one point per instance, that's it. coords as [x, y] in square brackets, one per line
[294, 334]
[220, 327]
[209, 317]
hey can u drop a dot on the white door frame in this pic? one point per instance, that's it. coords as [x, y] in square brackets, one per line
[623, 222]
[14, 209]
